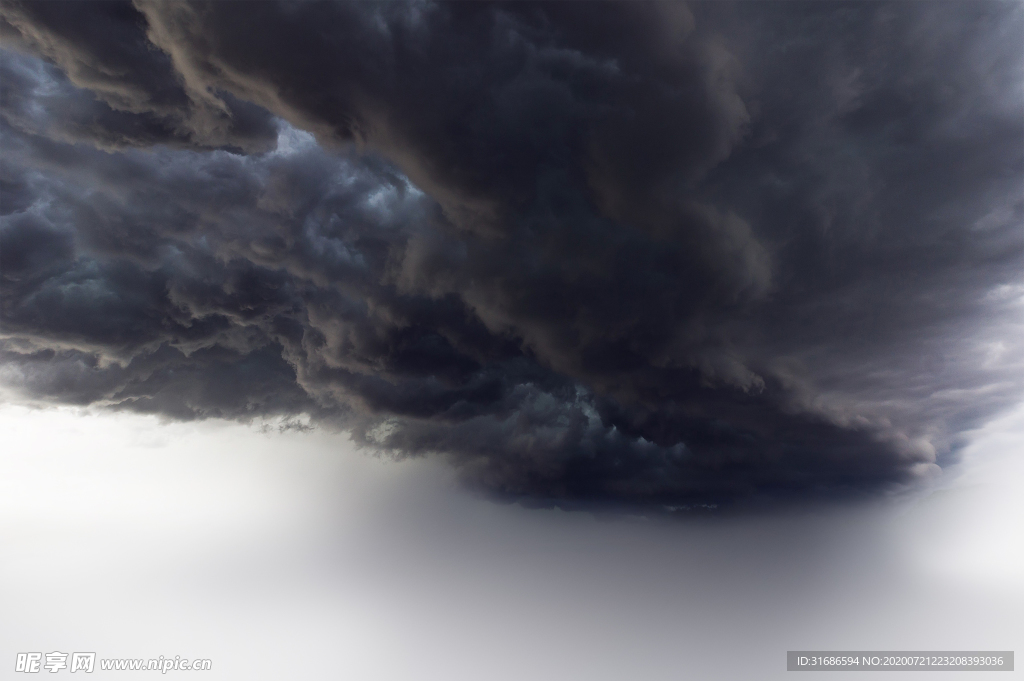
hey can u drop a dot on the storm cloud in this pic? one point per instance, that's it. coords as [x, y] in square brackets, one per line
[654, 254]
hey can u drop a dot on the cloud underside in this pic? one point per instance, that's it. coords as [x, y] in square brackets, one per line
[631, 253]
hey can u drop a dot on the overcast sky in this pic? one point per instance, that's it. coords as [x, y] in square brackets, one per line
[712, 264]
[290, 555]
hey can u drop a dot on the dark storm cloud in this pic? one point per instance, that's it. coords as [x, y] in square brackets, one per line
[103, 81]
[635, 252]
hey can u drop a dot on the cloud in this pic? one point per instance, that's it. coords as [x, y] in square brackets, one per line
[104, 82]
[646, 254]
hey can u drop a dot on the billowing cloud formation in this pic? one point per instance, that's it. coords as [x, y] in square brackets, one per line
[641, 253]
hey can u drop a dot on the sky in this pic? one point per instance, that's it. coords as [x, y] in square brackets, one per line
[491, 340]
[291, 555]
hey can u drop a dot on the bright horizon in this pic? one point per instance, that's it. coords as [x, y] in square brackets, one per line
[250, 548]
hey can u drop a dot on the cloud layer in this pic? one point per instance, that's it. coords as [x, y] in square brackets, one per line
[635, 253]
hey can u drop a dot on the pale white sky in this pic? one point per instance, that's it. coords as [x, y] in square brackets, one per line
[291, 556]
